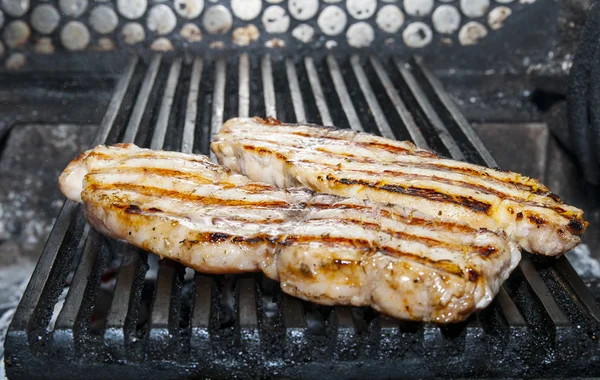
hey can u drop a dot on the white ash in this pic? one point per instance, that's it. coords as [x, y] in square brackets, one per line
[584, 264]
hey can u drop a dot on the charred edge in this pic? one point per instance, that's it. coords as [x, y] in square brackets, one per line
[204, 200]
[217, 237]
[268, 121]
[154, 209]
[519, 215]
[577, 226]
[161, 172]
[133, 209]
[487, 251]
[468, 202]
[443, 265]
[330, 240]
[461, 200]
[414, 221]
[264, 151]
[387, 147]
[472, 275]
[535, 219]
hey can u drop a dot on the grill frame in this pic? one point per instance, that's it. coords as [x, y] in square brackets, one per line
[525, 332]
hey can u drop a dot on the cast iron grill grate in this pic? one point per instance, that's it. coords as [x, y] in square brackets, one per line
[128, 315]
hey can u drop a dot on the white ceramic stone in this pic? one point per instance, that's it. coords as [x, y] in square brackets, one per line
[389, 18]
[45, 18]
[217, 20]
[132, 9]
[75, 36]
[471, 33]
[15, 8]
[332, 1]
[331, 44]
[303, 9]
[497, 16]
[304, 33]
[191, 32]
[504, 1]
[189, 8]
[72, 8]
[526, 1]
[104, 19]
[474, 8]
[360, 35]
[418, 7]
[417, 35]
[245, 35]
[275, 19]
[218, 45]
[275, 43]
[44, 46]
[279, 1]
[246, 9]
[161, 19]
[361, 9]
[446, 19]
[162, 44]
[105, 44]
[16, 34]
[15, 61]
[332, 20]
[133, 33]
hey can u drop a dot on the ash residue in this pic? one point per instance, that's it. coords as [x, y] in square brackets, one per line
[31, 159]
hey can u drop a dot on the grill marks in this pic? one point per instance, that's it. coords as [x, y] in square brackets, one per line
[323, 248]
[127, 190]
[473, 182]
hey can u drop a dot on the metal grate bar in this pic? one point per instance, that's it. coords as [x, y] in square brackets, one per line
[458, 117]
[543, 293]
[68, 314]
[409, 122]
[201, 313]
[163, 297]
[123, 288]
[247, 300]
[187, 143]
[244, 89]
[158, 137]
[247, 311]
[218, 104]
[115, 102]
[41, 273]
[142, 100]
[295, 91]
[293, 315]
[343, 95]
[367, 90]
[268, 86]
[566, 269]
[509, 309]
[315, 85]
[434, 118]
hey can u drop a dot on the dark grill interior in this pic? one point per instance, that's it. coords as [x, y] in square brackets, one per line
[128, 315]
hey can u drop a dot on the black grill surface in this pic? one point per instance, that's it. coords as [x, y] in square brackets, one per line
[127, 315]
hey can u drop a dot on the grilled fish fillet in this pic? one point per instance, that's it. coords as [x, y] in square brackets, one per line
[322, 248]
[361, 165]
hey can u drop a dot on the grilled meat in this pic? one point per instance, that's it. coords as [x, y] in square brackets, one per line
[322, 248]
[365, 166]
